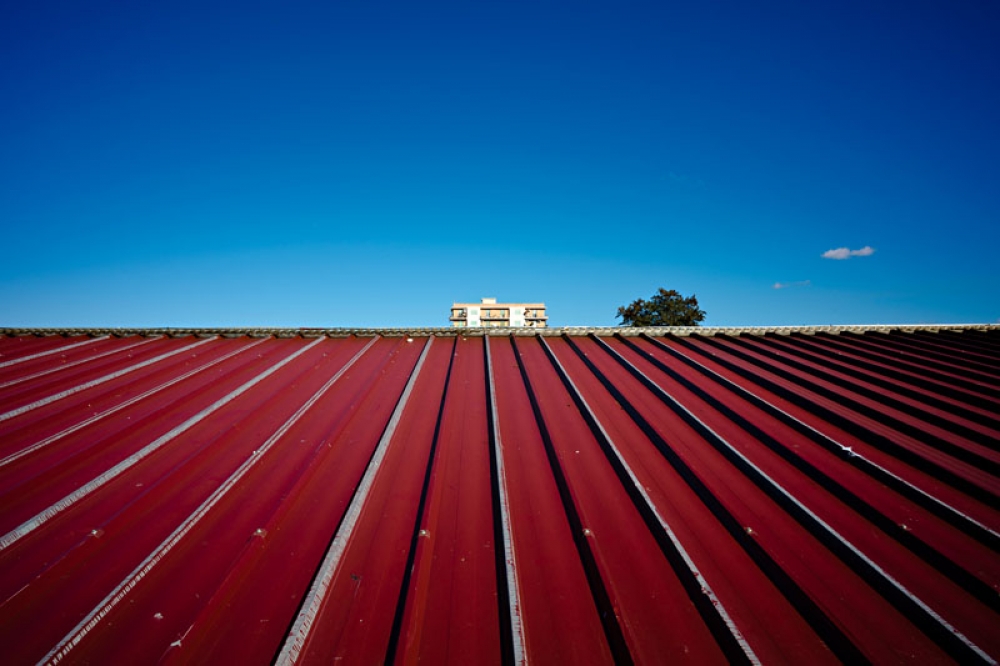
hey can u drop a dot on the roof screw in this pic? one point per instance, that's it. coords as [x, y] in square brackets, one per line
[749, 531]
[424, 533]
[587, 532]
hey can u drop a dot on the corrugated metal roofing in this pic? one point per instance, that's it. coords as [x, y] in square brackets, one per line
[246, 496]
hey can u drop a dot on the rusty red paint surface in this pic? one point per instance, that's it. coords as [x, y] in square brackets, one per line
[567, 498]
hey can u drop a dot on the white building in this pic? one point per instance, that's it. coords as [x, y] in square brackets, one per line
[490, 313]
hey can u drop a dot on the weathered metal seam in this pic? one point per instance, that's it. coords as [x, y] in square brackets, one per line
[810, 381]
[60, 368]
[948, 344]
[860, 371]
[926, 551]
[856, 459]
[894, 351]
[122, 405]
[815, 614]
[513, 588]
[914, 350]
[417, 532]
[979, 346]
[922, 388]
[77, 634]
[298, 635]
[33, 523]
[599, 592]
[97, 382]
[764, 480]
[706, 588]
[860, 430]
[892, 397]
[56, 350]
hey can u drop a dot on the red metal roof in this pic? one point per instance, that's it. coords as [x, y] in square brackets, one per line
[568, 497]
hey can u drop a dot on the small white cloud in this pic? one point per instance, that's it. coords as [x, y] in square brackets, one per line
[786, 285]
[847, 253]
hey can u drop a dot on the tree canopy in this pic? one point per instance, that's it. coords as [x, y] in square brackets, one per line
[665, 308]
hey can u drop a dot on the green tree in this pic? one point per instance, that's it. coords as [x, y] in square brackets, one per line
[665, 308]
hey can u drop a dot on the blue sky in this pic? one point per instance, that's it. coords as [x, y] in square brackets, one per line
[366, 164]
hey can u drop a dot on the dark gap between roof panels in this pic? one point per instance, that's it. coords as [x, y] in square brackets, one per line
[933, 395]
[911, 430]
[915, 495]
[602, 600]
[929, 554]
[825, 628]
[908, 606]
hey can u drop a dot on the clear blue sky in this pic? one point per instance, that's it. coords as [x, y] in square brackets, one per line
[368, 163]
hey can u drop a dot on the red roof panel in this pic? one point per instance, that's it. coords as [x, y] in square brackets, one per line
[559, 497]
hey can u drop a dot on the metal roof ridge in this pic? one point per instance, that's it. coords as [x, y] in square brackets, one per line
[287, 332]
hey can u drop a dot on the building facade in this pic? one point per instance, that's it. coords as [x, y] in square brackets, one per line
[490, 313]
